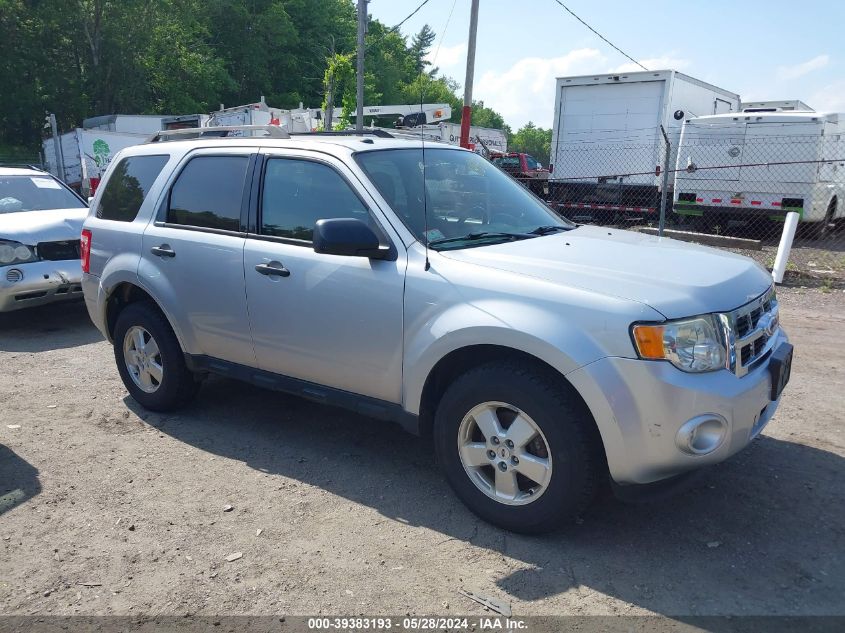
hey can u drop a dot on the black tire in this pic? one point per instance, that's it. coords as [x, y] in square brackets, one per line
[570, 433]
[824, 229]
[178, 384]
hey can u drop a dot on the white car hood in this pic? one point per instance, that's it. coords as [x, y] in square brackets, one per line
[52, 225]
[675, 278]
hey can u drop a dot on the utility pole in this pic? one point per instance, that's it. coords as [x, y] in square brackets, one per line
[362, 30]
[57, 147]
[327, 120]
[466, 114]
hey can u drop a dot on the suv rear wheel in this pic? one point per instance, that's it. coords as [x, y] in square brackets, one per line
[517, 447]
[150, 360]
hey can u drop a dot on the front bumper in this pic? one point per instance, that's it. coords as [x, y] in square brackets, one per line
[39, 283]
[640, 406]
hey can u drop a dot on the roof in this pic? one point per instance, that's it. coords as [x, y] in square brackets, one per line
[105, 119]
[641, 75]
[771, 117]
[335, 145]
[22, 171]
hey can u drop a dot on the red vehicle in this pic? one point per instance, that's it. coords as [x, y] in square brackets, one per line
[526, 169]
[520, 165]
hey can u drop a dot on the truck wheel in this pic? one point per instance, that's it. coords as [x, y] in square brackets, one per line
[519, 449]
[150, 360]
[824, 229]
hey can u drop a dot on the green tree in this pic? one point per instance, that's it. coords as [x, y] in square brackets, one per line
[533, 140]
[420, 46]
[80, 58]
[389, 61]
[426, 89]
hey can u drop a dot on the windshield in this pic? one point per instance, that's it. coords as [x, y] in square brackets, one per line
[35, 193]
[469, 201]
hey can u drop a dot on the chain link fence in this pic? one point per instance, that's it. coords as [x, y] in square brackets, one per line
[728, 186]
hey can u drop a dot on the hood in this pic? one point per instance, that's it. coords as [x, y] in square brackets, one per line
[51, 225]
[675, 278]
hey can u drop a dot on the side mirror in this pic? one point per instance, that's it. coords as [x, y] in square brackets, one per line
[348, 236]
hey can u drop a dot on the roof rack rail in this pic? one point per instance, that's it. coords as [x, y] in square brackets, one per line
[376, 132]
[222, 131]
[13, 165]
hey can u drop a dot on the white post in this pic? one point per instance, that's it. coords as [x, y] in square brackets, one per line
[789, 227]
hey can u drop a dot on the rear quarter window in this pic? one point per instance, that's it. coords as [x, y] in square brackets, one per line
[128, 186]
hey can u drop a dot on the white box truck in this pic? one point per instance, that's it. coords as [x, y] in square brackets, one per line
[607, 150]
[762, 164]
[147, 124]
[294, 121]
[86, 154]
[494, 139]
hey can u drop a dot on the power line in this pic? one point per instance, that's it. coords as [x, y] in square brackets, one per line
[570, 12]
[443, 34]
[395, 29]
[422, 4]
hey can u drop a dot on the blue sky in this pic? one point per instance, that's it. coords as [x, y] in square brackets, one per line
[773, 49]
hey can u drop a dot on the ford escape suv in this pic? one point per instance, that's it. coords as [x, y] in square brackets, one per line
[420, 284]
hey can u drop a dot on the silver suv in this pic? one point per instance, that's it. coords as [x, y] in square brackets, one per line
[420, 284]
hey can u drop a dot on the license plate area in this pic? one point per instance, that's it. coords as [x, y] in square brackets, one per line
[780, 368]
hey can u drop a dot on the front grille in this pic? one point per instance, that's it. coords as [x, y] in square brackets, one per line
[14, 275]
[58, 251]
[751, 330]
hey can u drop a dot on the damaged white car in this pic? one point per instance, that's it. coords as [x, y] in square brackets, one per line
[40, 224]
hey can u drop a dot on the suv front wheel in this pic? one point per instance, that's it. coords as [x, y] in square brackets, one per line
[517, 447]
[150, 360]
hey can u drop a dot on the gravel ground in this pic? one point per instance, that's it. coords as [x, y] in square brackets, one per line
[108, 509]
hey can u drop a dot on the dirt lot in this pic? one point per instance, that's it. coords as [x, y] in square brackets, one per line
[113, 510]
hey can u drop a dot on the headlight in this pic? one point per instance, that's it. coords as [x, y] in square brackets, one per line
[15, 253]
[693, 345]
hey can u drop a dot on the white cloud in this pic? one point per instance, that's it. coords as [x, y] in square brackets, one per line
[448, 56]
[664, 62]
[795, 71]
[831, 98]
[526, 91]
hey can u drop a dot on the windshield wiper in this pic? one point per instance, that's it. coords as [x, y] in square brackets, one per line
[551, 228]
[470, 237]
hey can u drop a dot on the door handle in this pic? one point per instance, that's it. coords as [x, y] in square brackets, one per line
[163, 251]
[275, 269]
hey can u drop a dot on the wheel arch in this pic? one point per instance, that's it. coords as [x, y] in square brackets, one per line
[125, 293]
[463, 359]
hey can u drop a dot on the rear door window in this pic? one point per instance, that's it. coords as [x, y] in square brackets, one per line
[209, 193]
[128, 186]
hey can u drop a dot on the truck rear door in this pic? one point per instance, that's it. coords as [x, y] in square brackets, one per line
[605, 130]
[710, 155]
[779, 152]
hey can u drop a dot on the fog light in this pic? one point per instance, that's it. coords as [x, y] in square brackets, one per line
[702, 435]
[14, 275]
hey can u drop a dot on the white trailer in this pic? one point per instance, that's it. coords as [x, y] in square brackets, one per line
[300, 120]
[607, 150]
[70, 158]
[496, 140]
[127, 123]
[762, 164]
[86, 154]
